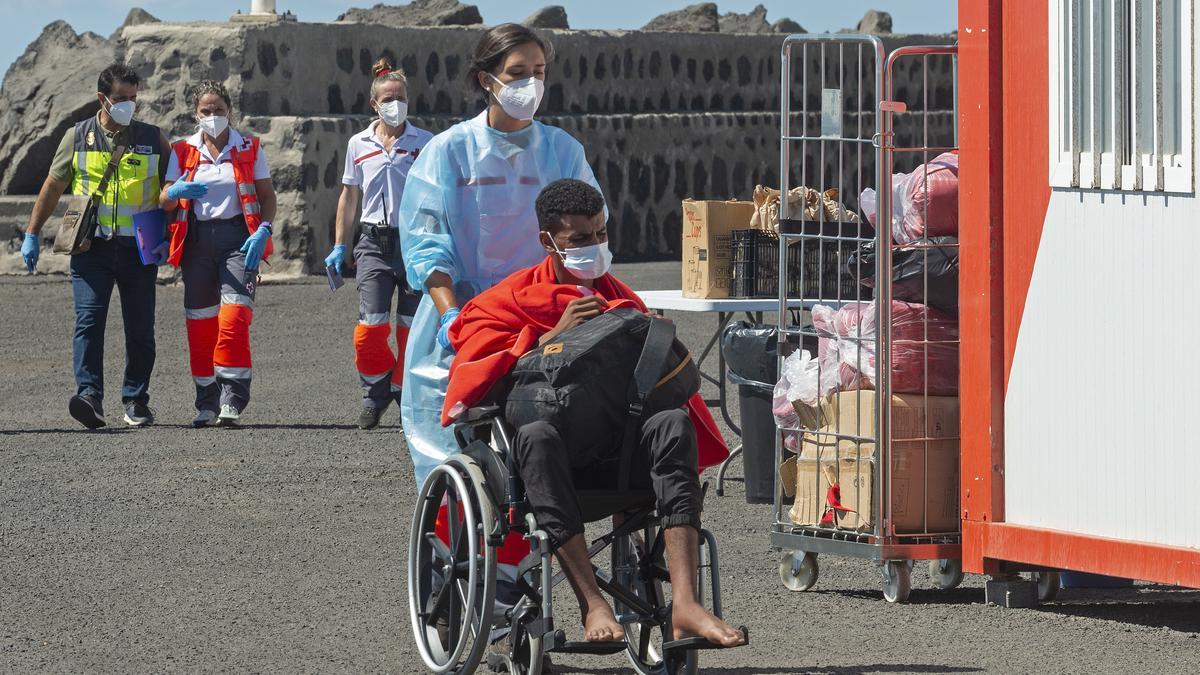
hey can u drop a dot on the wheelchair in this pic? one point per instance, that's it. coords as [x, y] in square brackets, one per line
[469, 505]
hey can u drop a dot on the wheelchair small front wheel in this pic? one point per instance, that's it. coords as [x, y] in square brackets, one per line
[644, 633]
[526, 652]
[452, 569]
[638, 567]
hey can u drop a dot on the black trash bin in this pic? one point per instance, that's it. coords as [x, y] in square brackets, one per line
[752, 357]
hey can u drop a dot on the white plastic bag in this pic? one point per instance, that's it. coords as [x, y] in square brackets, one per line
[868, 201]
[801, 371]
[797, 382]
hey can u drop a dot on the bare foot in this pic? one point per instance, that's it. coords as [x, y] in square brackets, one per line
[600, 624]
[694, 620]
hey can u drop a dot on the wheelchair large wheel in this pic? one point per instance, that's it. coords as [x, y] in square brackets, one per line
[452, 575]
[633, 568]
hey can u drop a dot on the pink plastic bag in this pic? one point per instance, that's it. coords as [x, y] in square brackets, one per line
[848, 362]
[924, 202]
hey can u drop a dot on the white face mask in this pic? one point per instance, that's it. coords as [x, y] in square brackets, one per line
[214, 125]
[393, 113]
[520, 99]
[121, 113]
[586, 262]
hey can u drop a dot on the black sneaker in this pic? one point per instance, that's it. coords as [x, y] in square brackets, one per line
[369, 417]
[138, 414]
[87, 411]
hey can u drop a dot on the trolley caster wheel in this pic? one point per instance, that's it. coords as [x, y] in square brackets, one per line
[897, 581]
[798, 573]
[1048, 584]
[946, 574]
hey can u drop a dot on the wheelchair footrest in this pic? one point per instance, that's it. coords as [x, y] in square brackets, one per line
[559, 644]
[694, 643]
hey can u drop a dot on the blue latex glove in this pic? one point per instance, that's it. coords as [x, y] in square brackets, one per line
[335, 257]
[255, 245]
[163, 250]
[31, 248]
[186, 189]
[443, 334]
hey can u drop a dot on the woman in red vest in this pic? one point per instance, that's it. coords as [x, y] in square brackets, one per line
[220, 188]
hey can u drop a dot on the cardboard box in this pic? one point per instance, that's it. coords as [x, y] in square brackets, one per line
[911, 502]
[801, 477]
[706, 255]
[787, 477]
[853, 413]
[917, 494]
[811, 479]
[810, 415]
[810, 485]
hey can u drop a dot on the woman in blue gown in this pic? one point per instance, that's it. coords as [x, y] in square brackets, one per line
[467, 217]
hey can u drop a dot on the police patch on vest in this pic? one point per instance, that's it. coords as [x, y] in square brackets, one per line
[133, 161]
[91, 139]
[143, 149]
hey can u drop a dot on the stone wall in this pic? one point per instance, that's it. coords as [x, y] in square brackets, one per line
[663, 116]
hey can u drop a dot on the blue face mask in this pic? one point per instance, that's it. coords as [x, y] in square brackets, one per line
[586, 262]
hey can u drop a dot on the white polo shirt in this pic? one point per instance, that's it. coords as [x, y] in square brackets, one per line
[380, 173]
[222, 201]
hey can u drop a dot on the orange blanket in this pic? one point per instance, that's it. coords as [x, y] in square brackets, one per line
[503, 323]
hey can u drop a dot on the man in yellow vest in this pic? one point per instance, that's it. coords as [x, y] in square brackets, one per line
[79, 164]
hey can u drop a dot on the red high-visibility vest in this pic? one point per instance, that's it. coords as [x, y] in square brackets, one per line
[243, 158]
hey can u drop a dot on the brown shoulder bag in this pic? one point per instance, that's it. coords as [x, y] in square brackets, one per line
[78, 224]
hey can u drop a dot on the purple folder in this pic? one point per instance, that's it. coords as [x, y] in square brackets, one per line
[149, 228]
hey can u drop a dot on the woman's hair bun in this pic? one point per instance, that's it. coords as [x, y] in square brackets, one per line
[382, 67]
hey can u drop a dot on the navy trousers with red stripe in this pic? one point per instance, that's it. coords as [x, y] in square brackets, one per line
[380, 278]
[218, 302]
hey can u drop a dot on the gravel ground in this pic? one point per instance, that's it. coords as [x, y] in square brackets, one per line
[280, 547]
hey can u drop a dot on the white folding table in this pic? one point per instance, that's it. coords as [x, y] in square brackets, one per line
[724, 308]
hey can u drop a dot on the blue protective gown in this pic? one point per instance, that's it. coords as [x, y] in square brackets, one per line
[468, 211]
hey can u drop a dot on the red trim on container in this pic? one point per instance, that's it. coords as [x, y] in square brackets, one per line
[981, 210]
[1054, 549]
[1026, 186]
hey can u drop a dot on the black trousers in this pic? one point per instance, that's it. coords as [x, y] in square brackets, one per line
[664, 461]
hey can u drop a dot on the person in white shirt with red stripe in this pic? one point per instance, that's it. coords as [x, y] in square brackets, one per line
[220, 189]
[377, 163]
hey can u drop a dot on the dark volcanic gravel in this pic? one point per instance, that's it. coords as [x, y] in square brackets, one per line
[280, 547]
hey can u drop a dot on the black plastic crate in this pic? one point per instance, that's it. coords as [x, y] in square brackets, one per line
[814, 269]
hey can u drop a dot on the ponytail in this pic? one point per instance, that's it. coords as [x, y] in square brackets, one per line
[385, 71]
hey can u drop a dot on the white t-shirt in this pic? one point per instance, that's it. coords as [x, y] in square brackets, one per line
[380, 173]
[222, 201]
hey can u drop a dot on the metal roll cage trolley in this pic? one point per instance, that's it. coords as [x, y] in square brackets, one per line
[845, 146]
[468, 507]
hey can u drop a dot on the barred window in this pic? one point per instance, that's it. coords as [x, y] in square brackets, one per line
[1121, 82]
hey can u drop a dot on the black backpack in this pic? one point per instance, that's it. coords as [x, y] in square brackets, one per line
[597, 382]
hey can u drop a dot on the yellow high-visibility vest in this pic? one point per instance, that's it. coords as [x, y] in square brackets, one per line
[135, 185]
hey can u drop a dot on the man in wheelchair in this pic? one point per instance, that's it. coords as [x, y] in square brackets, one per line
[528, 310]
